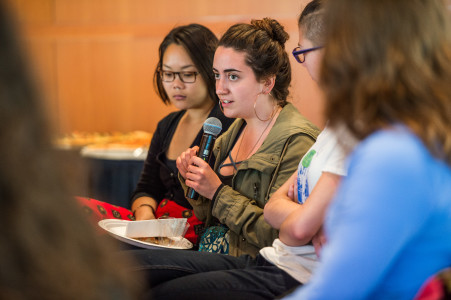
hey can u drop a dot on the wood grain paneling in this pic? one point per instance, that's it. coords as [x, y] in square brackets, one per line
[95, 58]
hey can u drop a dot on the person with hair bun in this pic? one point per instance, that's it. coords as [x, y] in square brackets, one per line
[260, 150]
[254, 158]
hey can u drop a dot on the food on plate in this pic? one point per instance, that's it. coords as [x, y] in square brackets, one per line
[96, 140]
[163, 241]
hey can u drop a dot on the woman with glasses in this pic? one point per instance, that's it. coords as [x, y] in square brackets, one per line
[183, 78]
[254, 158]
[297, 209]
[310, 40]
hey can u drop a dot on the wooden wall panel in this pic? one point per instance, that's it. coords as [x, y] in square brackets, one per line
[74, 85]
[146, 106]
[33, 12]
[96, 58]
[42, 55]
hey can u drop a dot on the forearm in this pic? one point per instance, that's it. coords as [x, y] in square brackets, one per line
[280, 205]
[292, 236]
[144, 208]
[305, 220]
[277, 211]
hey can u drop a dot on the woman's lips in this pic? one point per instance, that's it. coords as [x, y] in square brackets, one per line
[226, 102]
[179, 97]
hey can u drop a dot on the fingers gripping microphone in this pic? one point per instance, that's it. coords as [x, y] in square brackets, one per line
[212, 127]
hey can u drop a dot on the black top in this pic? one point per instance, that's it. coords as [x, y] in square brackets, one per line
[159, 177]
[232, 162]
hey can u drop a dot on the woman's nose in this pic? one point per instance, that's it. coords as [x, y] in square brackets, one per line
[177, 83]
[220, 87]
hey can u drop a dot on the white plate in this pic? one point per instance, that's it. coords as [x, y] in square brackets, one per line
[116, 228]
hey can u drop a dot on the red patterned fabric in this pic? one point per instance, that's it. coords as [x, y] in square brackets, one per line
[98, 210]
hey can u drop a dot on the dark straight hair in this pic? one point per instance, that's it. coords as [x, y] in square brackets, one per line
[200, 44]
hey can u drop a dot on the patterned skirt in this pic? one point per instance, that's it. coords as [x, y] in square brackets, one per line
[98, 210]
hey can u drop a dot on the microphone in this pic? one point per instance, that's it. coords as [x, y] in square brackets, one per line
[212, 127]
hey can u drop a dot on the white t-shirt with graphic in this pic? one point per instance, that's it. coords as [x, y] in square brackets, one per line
[326, 155]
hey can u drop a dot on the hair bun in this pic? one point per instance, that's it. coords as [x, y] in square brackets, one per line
[273, 28]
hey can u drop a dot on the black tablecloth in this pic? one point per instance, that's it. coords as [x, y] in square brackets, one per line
[112, 181]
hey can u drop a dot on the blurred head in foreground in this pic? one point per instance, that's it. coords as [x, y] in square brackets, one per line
[47, 248]
[389, 62]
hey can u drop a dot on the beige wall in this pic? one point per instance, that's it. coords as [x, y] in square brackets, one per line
[95, 58]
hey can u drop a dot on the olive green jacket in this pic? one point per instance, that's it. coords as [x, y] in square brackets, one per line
[240, 206]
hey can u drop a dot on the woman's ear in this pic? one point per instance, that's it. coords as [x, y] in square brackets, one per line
[268, 84]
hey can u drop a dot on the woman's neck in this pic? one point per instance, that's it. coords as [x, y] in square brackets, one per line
[200, 114]
[255, 123]
[255, 133]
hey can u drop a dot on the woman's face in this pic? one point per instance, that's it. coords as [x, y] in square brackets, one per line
[313, 58]
[236, 84]
[183, 95]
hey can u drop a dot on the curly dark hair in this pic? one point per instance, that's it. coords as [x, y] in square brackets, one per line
[263, 41]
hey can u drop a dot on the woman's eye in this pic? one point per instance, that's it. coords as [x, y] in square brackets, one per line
[188, 75]
[168, 74]
[233, 77]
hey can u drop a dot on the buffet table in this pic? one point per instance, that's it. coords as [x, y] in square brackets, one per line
[113, 181]
[113, 167]
[113, 172]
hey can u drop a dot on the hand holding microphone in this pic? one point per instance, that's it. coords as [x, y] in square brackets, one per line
[212, 127]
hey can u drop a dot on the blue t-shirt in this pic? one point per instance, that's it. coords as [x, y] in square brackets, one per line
[389, 226]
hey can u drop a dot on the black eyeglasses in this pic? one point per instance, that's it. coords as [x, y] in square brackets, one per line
[299, 53]
[186, 77]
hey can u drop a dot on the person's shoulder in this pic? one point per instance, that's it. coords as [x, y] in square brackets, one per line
[232, 130]
[394, 147]
[291, 121]
[397, 140]
[172, 116]
[170, 119]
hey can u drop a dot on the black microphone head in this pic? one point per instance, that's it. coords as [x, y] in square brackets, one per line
[212, 126]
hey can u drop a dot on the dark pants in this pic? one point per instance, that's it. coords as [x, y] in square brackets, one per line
[182, 274]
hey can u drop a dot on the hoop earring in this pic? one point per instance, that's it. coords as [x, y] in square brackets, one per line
[220, 106]
[273, 110]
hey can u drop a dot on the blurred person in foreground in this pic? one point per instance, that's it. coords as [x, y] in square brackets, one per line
[47, 248]
[386, 74]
